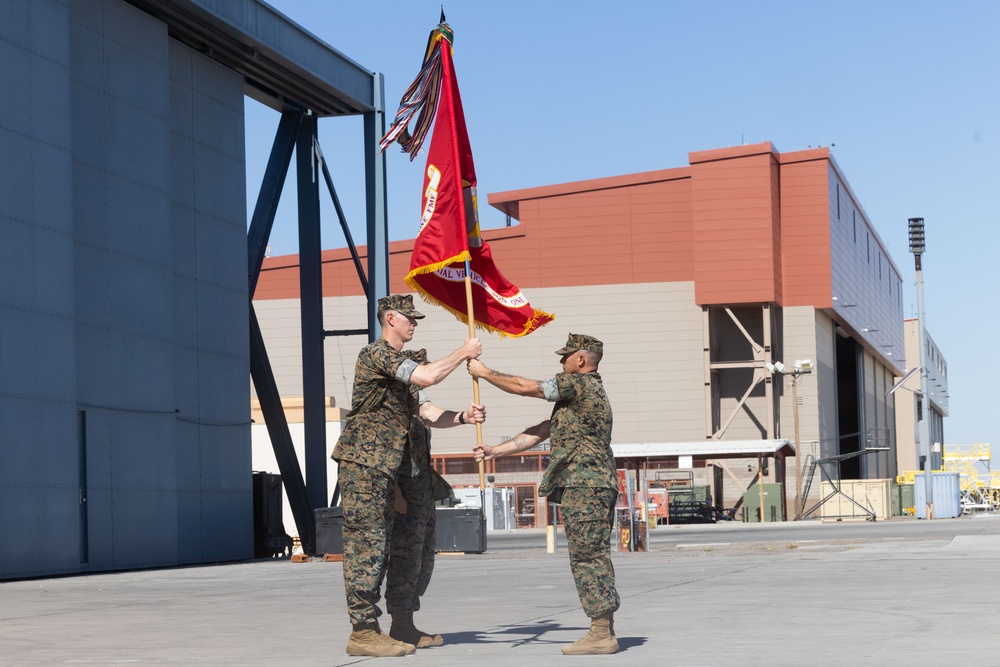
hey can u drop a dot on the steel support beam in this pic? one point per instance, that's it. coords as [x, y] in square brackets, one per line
[270, 193]
[282, 62]
[343, 222]
[375, 191]
[762, 354]
[707, 341]
[772, 425]
[311, 312]
[260, 367]
[281, 438]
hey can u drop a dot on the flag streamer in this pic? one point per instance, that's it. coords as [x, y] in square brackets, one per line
[422, 96]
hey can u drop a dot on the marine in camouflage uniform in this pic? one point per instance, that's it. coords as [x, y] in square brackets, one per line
[369, 453]
[581, 474]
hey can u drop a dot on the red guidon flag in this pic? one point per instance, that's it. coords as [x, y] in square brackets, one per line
[449, 237]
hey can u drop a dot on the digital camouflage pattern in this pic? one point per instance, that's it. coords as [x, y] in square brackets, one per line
[589, 517]
[581, 475]
[375, 430]
[412, 546]
[401, 303]
[576, 342]
[367, 496]
[581, 436]
[417, 456]
[369, 452]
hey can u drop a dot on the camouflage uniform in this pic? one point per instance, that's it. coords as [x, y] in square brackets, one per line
[412, 547]
[581, 475]
[369, 453]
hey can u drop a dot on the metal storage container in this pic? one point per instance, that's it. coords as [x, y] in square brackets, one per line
[772, 504]
[871, 500]
[329, 530]
[460, 529]
[905, 499]
[946, 494]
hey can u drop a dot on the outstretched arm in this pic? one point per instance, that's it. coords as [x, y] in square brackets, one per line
[511, 384]
[427, 375]
[519, 443]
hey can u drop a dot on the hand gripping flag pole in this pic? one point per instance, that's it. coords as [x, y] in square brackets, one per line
[449, 225]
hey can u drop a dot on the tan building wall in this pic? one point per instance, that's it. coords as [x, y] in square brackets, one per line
[907, 397]
[652, 368]
[651, 263]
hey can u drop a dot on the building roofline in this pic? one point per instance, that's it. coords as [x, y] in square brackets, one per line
[868, 222]
[283, 64]
[704, 448]
[508, 201]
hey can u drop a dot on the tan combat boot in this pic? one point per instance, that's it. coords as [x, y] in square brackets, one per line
[366, 640]
[403, 629]
[599, 641]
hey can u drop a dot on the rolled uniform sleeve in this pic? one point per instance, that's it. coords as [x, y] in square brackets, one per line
[550, 389]
[563, 387]
[405, 370]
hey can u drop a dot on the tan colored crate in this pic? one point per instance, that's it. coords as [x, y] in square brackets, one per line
[872, 494]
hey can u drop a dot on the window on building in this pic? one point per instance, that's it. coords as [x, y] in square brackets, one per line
[838, 201]
[525, 502]
[460, 466]
[854, 224]
[529, 462]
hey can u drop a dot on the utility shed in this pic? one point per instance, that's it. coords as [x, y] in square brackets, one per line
[634, 455]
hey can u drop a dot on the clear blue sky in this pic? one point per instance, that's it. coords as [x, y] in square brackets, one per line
[907, 94]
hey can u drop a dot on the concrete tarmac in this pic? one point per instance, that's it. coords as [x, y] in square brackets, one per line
[927, 595]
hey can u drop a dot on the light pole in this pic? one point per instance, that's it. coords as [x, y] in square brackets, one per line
[799, 368]
[916, 230]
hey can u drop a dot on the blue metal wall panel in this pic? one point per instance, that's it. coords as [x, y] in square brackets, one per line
[48, 31]
[124, 304]
[137, 219]
[38, 444]
[212, 332]
[189, 494]
[39, 360]
[214, 248]
[126, 297]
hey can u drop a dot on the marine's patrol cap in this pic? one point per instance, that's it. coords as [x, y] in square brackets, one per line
[401, 303]
[581, 342]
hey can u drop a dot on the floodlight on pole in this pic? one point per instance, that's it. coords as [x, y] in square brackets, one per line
[799, 368]
[803, 365]
[915, 227]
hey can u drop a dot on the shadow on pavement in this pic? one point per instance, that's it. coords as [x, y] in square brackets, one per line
[515, 635]
[626, 643]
